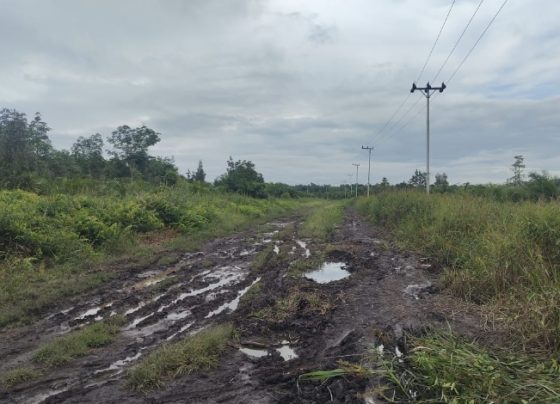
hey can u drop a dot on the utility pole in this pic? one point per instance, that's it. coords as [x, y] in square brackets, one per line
[369, 149]
[427, 92]
[357, 167]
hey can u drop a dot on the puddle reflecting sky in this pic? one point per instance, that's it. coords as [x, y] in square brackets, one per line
[329, 272]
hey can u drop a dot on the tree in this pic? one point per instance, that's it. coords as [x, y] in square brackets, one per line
[132, 145]
[441, 181]
[517, 168]
[242, 177]
[199, 175]
[418, 179]
[384, 182]
[88, 153]
[24, 147]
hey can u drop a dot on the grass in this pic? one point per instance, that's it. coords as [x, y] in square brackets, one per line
[312, 303]
[195, 353]
[322, 222]
[18, 376]
[79, 343]
[443, 368]
[253, 292]
[503, 255]
[346, 368]
[61, 245]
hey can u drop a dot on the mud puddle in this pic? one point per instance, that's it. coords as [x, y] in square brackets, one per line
[160, 304]
[329, 272]
[289, 326]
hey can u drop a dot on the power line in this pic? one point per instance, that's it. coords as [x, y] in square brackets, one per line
[458, 40]
[435, 42]
[390, 120]
[477, 41]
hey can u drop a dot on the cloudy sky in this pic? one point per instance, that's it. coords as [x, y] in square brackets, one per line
[295, 86]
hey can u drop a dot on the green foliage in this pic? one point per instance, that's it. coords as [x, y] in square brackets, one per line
[199, 352]
[79, 343]
[323, 221]
[17, 376]
[505, 255]
[444, 368]
[52, 246]
[418, 179]
[241, 177]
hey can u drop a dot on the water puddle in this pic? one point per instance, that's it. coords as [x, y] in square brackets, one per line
[183, 328]
[137, 321]
[93, 311]
[276, 249]
[174, 316]
[225, 277]
[118, 365]
[254, 353]
[134, 309]
[329, 272]
[303, 245]
[287, 352]
[232, 306]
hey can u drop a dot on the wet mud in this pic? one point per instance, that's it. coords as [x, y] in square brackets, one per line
[366, 295]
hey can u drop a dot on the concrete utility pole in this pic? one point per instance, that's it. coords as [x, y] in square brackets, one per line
[369, 149]
[357, 167]
[427, 92]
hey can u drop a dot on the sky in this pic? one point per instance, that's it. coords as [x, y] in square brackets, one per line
[295, 86]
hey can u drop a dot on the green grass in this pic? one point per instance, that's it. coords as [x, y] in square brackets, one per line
[17, 376]
[503, 255]
[197, 353]
[443, 368]
[322, 222]
[79, 343]
[59, 245]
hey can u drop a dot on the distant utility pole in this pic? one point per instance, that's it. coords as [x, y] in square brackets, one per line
[357, 167]
[427, 92]
[369, 149]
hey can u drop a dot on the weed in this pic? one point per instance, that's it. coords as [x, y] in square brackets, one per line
[195, 353]
[323, 221]
[79, 343]
[312, 303]
[501, 254]
[17, 376]
[442, 367]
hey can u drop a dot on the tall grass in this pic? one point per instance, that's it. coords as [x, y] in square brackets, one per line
[501, 254]
[322, 221]
[55, 245]
[443, 368]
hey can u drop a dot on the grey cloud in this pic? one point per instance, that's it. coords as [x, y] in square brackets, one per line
[295, 86]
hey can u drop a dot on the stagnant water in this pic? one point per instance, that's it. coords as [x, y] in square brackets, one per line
[329, 272]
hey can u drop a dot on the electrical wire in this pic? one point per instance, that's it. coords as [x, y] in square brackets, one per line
[435, 42]
[458, 40]
[477, 41]
[401, 105]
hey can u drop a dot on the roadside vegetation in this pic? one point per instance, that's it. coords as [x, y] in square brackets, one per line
[63, 244]
[194, 353]
[503, 256]
[79, 343]
[441, 367]
[322, 222]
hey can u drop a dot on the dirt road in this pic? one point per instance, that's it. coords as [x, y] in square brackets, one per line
[288, 324]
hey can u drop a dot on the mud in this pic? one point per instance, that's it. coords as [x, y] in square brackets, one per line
[294, 325]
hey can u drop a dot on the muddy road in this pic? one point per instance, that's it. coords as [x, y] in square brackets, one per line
[291, 317]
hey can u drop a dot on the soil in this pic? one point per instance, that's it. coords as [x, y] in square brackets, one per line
[388, 294]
